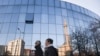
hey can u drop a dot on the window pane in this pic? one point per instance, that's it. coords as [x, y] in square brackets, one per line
[16, 9]
[20, 29]
[68, 5]
[17, 2]
[64, 12]
[5, 28]
[30, 9]
[58, 20]
[1, 2]
[29, 28]
[35, 38]
[52, 29]
[52, 19]
[59, 29]
[61, 38]
[44, 2]
[28, 39]
[5, 2]
[2, 17]
[10, 9]
[71, 21]
[10, 37]
[13, 28]
[24, 1]
[44, 28]
[11, 2]
[51, 9]
[3, 39]
[22, 18]
[36, 28]
[31, 1]
[8, 17]
[58, 11]
[23, 9]
[44, 10]
[51, 2]
[37, 18]
[63, 5]
[57, 3]
[44, 18]
[38, 9]
[43, 39]
[38, 2]
[29, 16]
[15, 18]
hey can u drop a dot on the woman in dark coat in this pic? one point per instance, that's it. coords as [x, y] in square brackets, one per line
[38, 51]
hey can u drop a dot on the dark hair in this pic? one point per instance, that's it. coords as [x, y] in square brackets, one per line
[39, 42]
[50, 41]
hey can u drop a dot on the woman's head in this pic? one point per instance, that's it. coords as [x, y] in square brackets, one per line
[38, 43]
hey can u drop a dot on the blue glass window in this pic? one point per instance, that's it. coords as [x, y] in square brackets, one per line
[38, 2]
[44, 10]
[22, 18]
[51, 2]
[69, 6]
[38, 9]
[3, 9]
[52, 29]
[71, 21]
[15, 18]
[10, 9]
[2, 17]
[44, 28]
[57, 3]
[44, 2]
[24, 2]
[5, 2]
[51, 10]
[63, 4]
[13, 28]
[5, 28]
[59, 20]
[64, 12]
[11, 2]
[8, 17]
[44, 18]
[62, 40]
[36, 28]
[29, 28]
[23, 9]
[59, 29]
[31, 1]
[17, 2]
[58, 11]
[28, 40]
[3, 39]
[30, 9]
[16, 9]
[1, 2]
[52, 19]
[37, 18]
[29, 16]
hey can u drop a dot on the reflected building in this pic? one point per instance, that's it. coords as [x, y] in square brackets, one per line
[2, 50]
[38, 20]
[29, 52]
[15, 47]
[66, 47]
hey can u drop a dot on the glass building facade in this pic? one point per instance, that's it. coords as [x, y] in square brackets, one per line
[33, 20]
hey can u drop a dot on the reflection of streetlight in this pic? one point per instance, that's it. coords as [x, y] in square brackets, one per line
[20, 31]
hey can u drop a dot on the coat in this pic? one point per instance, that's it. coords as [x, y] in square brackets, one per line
[38, 51]
[51, 51]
